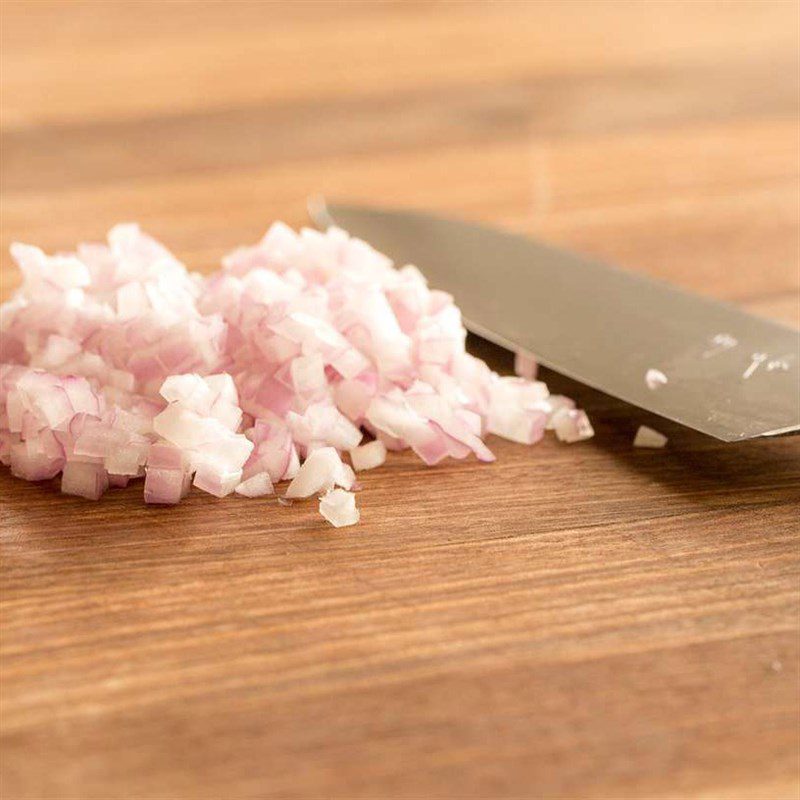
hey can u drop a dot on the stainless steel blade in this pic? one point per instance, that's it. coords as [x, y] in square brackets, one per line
[730, 374]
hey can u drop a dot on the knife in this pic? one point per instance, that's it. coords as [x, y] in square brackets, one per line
[728, 374]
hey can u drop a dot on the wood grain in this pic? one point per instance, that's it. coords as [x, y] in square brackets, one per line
[571, 622]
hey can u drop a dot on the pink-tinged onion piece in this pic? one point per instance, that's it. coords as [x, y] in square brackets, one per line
[339, 508]
[368, 456]
[163, 455]
[323, 424]
[84, 480]
[165, 486]
[273, 452]
[525, 366]
[37, 458]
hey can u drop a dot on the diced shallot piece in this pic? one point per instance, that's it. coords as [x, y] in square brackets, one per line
[345, 477]
[368, 456]
[523, 425]
[525, 366]
[655, 378]
[572, 425]
[648, 437]
[258, 485]
[317, 474]
[165, 486]
[339, 508]
[216, 479]
[554, 404]
[84, 480]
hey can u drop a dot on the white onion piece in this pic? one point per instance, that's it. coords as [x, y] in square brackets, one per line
[308, 374]
[522, 425]
[648, 437]
[655, 378]
[217, 480]
[323, 424]
[345, 477]
[368, 456]
[572, 425]
[318, 473]
[258, 485]
[339, 508]
[189, 390]
[554, 404]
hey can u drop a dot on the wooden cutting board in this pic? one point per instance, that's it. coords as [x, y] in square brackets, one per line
[585, 621]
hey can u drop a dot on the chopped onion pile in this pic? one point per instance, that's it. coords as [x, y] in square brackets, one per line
[119, 364]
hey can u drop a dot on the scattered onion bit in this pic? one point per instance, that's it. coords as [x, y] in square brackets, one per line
[368, 456]
[648, 437]
[654, 378]
[525, 365]
[116, 364]
[256, 486]
[572, 425]
[339, 508]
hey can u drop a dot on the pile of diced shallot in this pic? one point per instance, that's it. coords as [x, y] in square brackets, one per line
[119, 364]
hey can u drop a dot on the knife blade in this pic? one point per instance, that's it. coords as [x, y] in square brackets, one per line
[730, 374]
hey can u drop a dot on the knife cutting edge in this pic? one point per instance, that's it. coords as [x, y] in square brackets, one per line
[729, 374]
